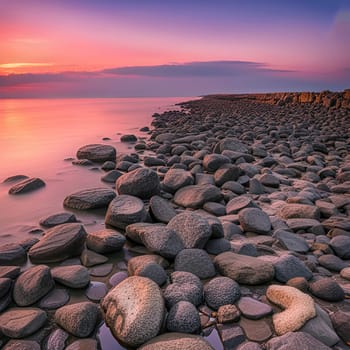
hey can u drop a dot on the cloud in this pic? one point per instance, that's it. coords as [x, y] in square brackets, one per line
[24, 64]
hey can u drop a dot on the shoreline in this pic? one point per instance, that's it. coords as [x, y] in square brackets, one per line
[240, 171]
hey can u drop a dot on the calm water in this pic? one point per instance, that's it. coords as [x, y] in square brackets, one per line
[37, 135]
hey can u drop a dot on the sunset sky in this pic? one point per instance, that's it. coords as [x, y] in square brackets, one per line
[90, 48]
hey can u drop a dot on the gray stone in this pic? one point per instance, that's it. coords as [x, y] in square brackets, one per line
[221, 291]
[9, 272]
[58, 219]
[59, 243]
[15, 178]
[290, 241]
[288, 266]
[196, 261]
[341, 246]
[256, 330]
[91, 198]
[302, 224]
[125, 210]
[54, 299]
[227, 173]
[27, 185]
[111, 176]
[183, 317]
[22, 345]
[96, 291]
[217, 246]
[175, 179]
[327, 289]
[75, 276]
[254, 220]
[105, 241]
[237, 204]
[161, 209]
[56, 340]
[253, 309]
[134, 310]
[332, 262]
[213, 162]
[341, 324]
[21, 322]
[12, 254]
[101, 270]
[5, 286]
[128, 138]
[78, 319]
[32, 285]
[117, 278]
[89, 258]
[97, 153]
[141, 182]
[83, 344]
[231, 336]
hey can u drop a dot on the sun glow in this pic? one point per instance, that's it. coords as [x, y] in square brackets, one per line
[24, 64]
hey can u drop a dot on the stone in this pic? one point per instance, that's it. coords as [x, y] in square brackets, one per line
[195, 196]
[217, 246]
[32, 285]
[214, 208]
[128, 138]
[57, 340]
[175, 341]
[213, 162]
[96, 291]
[91, 198]
[253, 309]
[175, 179]
[117, 278]
[101, 270]
[59, 243]
[221, 291]
[97, 153]
[12, 254]
[111, 176]
[193, 230]
[341, 324]
[58, 219]
[5, 286]
[321, 328]
[15, 178]
[21, 322]
[256, 330]
[298, 308]
[231, 336]
[196, 261]
[161, 209]
[228, 313]
[249, 346]
[142, 182]
[22, 345]
[236, 204]
[341, 246]
[289, 266]
[302, 224]
[225, 174]
[232, 144]
[295, 211]
[244, 269]
[78, 319]
[300, 283]
[75, 276]
[54, 299]
[332, 262]
[254, 220]
[134, 310]
[345, 273]
[125, 210]
[183, 317]
[105, 241]
[291, 241]
[270, 180]
[83, 344]
[27, 185]
[327, 289]
[89, 258]
[9, 272]
[295, 340]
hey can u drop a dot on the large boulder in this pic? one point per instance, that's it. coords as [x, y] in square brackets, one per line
[244, 269]
[134, 310]
[97, 153]
[175, 179]
[27, 185]
[59, 243]
[141, 182]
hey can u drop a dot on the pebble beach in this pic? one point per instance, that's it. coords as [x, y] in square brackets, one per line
[226, 226]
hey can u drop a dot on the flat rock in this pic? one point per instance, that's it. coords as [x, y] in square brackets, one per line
[105, 241]
[195, 196]
[341, 324]
[89, 258]
[134, 310]
[175, 341]
[74, 276]
[125, 210]
[58, 219]
[54, 299]
[78, 319]
[213, 162]
[141, 182]
[253, 309]
[15, 178]
[244, 269]
[289, 266]
[96, 291]
[9, 272]
[91, 198]
[32, 285]
[193, 230]
[59, 243]
[83, 344]
[341, 246]
[57, 340]
[22, 345]
[175, 179]
[111, 176]
[236, 204]
[97, 153]
[254, 220]
[332, 262]
[302, 224]
[161, 209]
[291, 241]
[117, 278]
[231, 336]
[101, 270]
[12, 254]
[21, 322]
[327, 289]
[27, 185]
[256, 330]
[295, 210]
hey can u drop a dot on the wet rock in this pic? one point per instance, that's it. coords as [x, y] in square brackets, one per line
[54, 299]
[244, 269]
[101, 270]
[89, 258]
[97, 153]
[12, 254]
[91, 198]
[21, 322]
[59, 243]
[32, 285]
[291, 241]
[15, 178]
[128, 138]
[183, 317]
[134, 310]
[96, 291]
[341, 324]
[288, 266]
[75, 276]
[327, 289]
[252, 308]
[213, 162]
[237, 204]
[161, 209]
[124, 210]
[9, 272]
[117, 278]
[217, 246]
[231, 336]
[27, 185]
[105, 241]
[196, 261]
[58, 219]
[256, 330]
[83, 344]
[254, 220]
[292, 211]
[111, 176]
[225, 174]
[341, 246]
[5, 286]
[332, 262]
[221, 291]
[175, 179]
[56, 340]
[141, 182]
[78, 319]
[22, 345]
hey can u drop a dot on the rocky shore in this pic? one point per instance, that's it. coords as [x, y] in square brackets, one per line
[228, 228]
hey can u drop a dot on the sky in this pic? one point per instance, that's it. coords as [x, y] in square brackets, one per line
[125, 48]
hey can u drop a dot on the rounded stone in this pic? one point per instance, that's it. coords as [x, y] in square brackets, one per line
[289, 266]
[22, 345]
[117, 278]
[54, 299]
[327, 289]
[341, 246]
[58, 219]
[254, 220]
[253, 309]
[161, 209]
[221, 291]
[332, 262]
[105, 241]
[57, 340]
[75, 276]
[12, 254]
[97, 153]
[175, 179]
[27, 185]
[134, 310]
[96, 291]
[183, 317]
